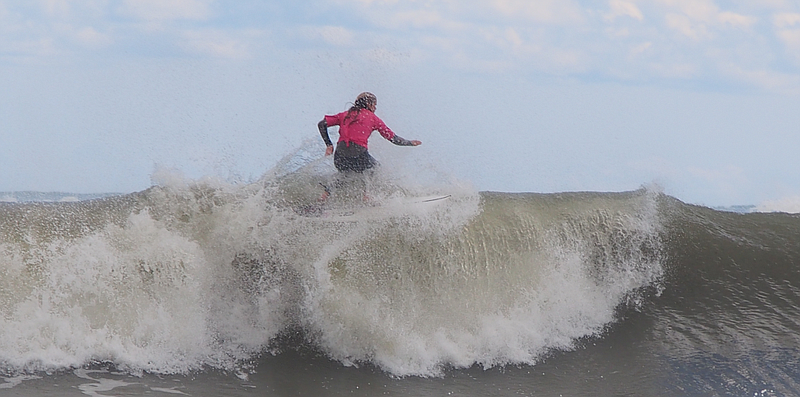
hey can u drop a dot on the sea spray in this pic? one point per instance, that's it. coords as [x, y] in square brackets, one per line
[196, 274]
[504, 288]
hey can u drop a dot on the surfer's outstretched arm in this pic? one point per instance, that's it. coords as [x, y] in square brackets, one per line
[404, 142]
[323, 131]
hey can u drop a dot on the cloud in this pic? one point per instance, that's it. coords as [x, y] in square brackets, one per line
[697, 10]
[746, 43]
[89, 37]
[786, 20]
[641, 48]
[55, 7]
[629, 39]
[542, 11]
[508, 38]
[674, 70]
[421, 19]
[686, 26]
[790, 37]
[787, 30]
[29, 49]
[333, 35]
[167, 9]
[736, 20]
[620, 8]
[700, 19]
[216, 43]
[767, 79]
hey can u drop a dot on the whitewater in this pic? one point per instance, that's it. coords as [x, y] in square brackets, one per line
[204, 287]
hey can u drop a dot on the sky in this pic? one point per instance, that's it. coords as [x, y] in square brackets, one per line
[698, 97]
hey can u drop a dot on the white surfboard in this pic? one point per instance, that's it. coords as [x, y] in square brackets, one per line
[396, 207]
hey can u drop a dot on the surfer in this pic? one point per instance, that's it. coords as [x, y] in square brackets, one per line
[355, 127]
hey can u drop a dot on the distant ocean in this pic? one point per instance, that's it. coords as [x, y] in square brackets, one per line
[208, 289]
[49, 197]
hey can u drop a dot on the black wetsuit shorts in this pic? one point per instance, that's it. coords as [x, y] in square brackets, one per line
[350, 156]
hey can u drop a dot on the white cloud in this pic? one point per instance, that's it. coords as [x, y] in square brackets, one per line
[787, 29]
[621, 8]
[542, 11]
[217, 43]
[698, 10]
[55, 7]
[333, 35]
[766, 79]
[736, 20]
[641, 48]
[674, 70]
[420, 19]
[402, 15]
[71, 10]
[790, 37]
[612, 38]
[29, 49]
[686, 26]
[786, 20]
[87, 36]
[700, 19]
[508, 38]
[167, 9]
[522, 49]
[498, 35]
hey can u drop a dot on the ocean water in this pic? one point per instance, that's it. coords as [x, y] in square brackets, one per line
[205, 288]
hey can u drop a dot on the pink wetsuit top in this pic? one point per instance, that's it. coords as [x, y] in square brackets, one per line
[359, 126]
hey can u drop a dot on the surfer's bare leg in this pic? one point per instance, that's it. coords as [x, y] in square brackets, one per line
[325, 194]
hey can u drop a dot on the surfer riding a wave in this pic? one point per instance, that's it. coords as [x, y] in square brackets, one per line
[355, 127]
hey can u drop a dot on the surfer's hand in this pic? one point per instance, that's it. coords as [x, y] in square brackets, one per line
[329, 150]
[416, 143]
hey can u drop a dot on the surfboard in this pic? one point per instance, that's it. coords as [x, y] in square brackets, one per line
[432, 199]
[395, 207]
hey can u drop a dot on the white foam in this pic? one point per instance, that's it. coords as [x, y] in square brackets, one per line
[15, 381]
[477, 297]
[98, 385]
[69, 199]
[203, 273]
[147, 295]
